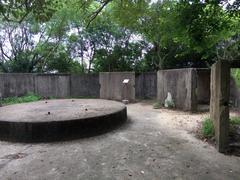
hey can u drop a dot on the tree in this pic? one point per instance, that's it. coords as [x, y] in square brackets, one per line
[18, 11]
[17, 48]
[102, 35]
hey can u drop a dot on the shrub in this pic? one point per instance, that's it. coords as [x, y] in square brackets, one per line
[207, 128]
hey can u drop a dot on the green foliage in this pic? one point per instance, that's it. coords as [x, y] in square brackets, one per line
[85, 36]
[30, 97]
[119, 59]
[17, 11]
[235, 120]
[207, 128]
[236, 75]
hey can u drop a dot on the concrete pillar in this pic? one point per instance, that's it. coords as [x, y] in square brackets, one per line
[219, 103]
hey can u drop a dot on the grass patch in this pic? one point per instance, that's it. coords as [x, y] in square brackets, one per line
[235, 120]
[207, 128]
[30, 97]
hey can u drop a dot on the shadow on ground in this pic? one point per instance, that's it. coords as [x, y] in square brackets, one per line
[234, 141]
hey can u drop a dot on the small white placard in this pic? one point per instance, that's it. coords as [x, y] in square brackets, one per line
[125, 81]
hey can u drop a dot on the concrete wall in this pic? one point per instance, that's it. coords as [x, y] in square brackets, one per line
[85, 85]
[113, 88]
[16, 84]
[203, 86]
[146, 85]
[234, 93]
[181, 83]
[66, 85]
[56, 85]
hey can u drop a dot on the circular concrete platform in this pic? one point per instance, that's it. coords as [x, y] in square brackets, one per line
[59, 119]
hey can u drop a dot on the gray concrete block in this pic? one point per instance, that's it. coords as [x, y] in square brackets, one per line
[112, 86]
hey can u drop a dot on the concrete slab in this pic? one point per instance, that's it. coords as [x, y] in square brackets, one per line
[53, 119]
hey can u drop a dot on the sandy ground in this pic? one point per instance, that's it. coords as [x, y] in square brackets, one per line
[153, 144]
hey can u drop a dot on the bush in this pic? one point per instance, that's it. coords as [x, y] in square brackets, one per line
[207, 128]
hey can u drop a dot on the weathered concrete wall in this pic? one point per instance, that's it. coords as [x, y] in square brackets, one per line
[219, 103]
[181, 83]
[56, 85]
[146, 85]
[203, 86]
[234, 93]
[16, 84]
[113, 88]
[85, 85]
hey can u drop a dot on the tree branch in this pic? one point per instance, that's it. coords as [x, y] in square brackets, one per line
[96, 13]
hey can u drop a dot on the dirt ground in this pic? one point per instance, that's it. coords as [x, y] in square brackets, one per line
[153, 144]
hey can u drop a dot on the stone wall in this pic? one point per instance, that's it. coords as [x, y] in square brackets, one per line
[112, 87]
[146, 85]
[182, 84]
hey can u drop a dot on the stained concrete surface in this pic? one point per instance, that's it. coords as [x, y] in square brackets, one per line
[54, 120]
[148, 146]
[59, 110]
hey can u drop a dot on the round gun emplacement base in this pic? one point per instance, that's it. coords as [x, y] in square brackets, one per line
[54, 120]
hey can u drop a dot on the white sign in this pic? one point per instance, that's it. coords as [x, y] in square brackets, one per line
[125, 81]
